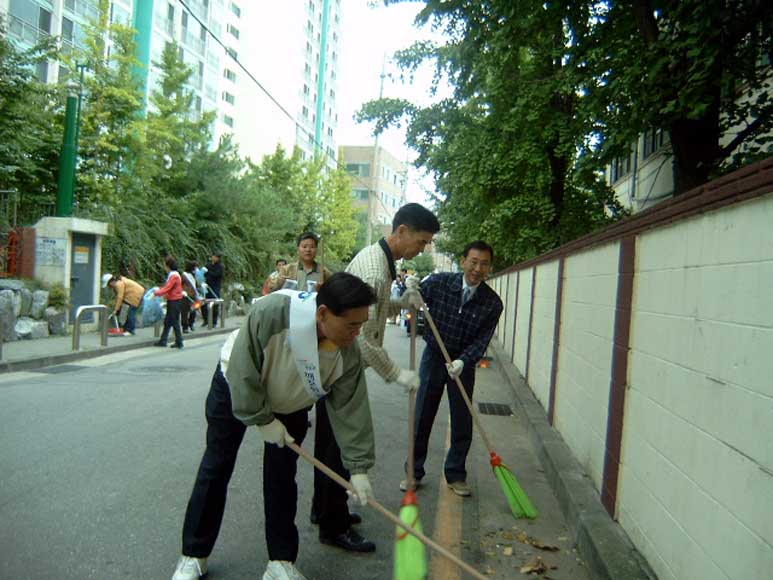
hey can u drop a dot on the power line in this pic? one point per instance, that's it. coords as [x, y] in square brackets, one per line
[319, 145]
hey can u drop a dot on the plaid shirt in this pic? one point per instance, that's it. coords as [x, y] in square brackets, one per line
[465, 330]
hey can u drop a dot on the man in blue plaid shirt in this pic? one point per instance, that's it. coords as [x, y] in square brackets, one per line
[466, 311]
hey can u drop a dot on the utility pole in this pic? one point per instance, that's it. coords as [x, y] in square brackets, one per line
[374, 175]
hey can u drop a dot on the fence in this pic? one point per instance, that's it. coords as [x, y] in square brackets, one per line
[649, 347]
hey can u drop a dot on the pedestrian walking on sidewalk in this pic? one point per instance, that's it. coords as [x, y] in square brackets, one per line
[466, 311]
[260, 381]
[412, 229]
[128, 292]
[213, 278]
[173, 290]
[190, 296]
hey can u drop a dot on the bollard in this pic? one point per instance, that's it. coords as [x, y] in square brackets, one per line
[103, 319]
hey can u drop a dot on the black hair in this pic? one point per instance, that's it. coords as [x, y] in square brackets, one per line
[344, 291]
[280, 260]
[308, 236]
[191, 265]
[171, 262]
[416, 217]
[479, 245]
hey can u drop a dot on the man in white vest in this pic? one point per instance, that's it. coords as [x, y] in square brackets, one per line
[260, 381]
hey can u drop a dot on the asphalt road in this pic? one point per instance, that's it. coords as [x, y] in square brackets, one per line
[98, 459]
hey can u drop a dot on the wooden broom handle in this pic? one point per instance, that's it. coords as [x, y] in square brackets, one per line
[386, 513]
[442, 346]
[412, 403]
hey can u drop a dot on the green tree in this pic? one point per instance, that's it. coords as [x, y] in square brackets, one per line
[504, 149]
[30, 128]
[699, 69]
[422, 265]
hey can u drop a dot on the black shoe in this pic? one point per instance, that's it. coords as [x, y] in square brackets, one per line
[159, 343]
[176, 345]
[351, 541]
[354, 518]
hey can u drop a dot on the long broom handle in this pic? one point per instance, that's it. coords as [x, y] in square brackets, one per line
[442, 346]
[412, 403]
[385, 512]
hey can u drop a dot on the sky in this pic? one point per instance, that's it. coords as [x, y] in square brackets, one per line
[368, 34]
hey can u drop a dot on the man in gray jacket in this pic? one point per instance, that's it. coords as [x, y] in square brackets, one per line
[260, 381]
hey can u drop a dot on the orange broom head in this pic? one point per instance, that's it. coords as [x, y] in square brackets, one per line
[196, 305]
[410, 498]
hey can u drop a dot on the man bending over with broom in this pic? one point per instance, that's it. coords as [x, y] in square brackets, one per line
[260, 381]
[466, 311]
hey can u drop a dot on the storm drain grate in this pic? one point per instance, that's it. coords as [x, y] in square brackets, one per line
[495, 409]
[60, 369]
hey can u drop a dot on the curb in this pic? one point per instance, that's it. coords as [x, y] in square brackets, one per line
[601, 541]
[57, 359]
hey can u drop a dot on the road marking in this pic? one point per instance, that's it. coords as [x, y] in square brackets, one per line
[448, 527]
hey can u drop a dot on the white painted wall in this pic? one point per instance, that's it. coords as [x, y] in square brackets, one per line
[585, 354]
[522, 324]
[696, 478]
[512, 314]
[542, 331]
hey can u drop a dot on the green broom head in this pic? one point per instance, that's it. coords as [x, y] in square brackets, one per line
[410, 552]
[520, 504]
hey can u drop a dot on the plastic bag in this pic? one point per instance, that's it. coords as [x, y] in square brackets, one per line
[152, 307]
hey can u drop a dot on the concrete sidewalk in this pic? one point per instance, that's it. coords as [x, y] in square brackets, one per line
[24, 355]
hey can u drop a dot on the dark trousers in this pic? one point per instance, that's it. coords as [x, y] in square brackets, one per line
[280, 492]
[131, 319]
[329, 503]
[185, 312]
[434, 379]
[172, 321]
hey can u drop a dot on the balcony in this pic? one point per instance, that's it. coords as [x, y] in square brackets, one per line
[192, 41]
[83, 8]
[24, 31]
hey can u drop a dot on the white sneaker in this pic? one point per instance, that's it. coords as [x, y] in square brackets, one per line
[189, 568]
[282, 570]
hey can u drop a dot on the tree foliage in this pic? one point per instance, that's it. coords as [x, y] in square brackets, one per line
[156, 177]
[546, 94]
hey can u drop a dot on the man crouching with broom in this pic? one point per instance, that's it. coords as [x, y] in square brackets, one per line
[260, 381]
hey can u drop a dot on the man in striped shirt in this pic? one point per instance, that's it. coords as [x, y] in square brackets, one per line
[413, 228]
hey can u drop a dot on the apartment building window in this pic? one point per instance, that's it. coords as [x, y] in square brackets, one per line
[308, 47]
[229, 98]
[307, 69]
[41, 71]
[621, 167]
[309, 26]
[230, 75]
[236, 10]
[305, 111]
[233, 31]
[305, 89]
[185, 20]
[332, 94]
[311, 138]
[361, 194]
[329, 131]
[358, 169]
[232, 53]
[653, 140]
[228, 120]
[170, 13]
[197, 104]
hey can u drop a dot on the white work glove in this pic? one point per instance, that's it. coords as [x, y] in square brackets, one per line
[362, 487]
[185, 294]
[455, 368]
[275, 433]
[408, 379]
[412, 282]
[411, 298]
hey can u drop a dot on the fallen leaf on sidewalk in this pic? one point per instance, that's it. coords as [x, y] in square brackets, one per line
[537, 566]
[524, 538]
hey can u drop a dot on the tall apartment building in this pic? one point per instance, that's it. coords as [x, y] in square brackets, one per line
[158, 23]
[293, 51]
[378, 179]
[188, 23]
